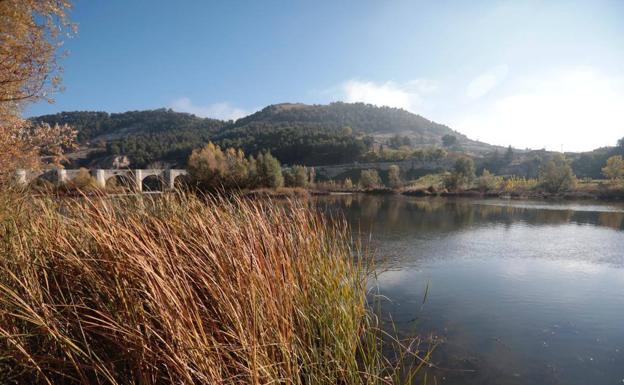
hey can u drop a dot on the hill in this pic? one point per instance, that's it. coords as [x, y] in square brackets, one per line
[336, 133]
[294, 133]
[145, 137]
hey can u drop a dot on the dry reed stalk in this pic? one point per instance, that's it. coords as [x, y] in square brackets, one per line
[182, 290]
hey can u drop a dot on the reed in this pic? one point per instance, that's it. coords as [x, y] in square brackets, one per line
[185, 290]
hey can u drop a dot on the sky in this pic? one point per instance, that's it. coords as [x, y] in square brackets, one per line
[527, 73]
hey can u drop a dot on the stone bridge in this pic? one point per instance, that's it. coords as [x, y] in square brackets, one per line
[134, 177]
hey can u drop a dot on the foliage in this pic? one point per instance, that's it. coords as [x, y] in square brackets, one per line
[463, 174]
[509, 155]
[177, 290]
[30, 33]
[213, 168]
[293, 133]
[83, 182]
[515, 184]
[614, 168]
[268, 171]
[590, 164]
[398, 141]
[304, 134]
[347, 184]
[431, 182]
[394, 176]
[422, 154]
[449, 140]
[556, 175]
[144, 136]
[487, 181]
[298, 176]
[370, 179]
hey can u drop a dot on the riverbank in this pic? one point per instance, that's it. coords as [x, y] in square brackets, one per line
[594, 192]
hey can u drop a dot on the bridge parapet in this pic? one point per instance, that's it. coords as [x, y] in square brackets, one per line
[167, 176]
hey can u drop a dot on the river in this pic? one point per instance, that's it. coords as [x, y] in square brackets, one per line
[517, 292]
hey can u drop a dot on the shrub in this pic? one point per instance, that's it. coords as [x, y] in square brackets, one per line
[82, 181]
[462, 176]
[614, 168]
[268, 171]
[297, 176]
[394, 176]
[370, 179]
[487, 181]
[556, 175]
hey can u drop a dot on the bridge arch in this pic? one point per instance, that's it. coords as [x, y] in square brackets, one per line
[180, 181]
[120, 182]
[153, 182]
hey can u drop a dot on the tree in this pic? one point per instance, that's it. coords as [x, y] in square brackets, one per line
[205, 165]
[30, 33]
[214, 168]
[449, 140]
[614, 168]
[463, 174]
[556, 175]
[487, 181]
[397, 141]
[269, 171]
[394, 176]
[347, 184]
[370, 178]
[311, 176]
[509, 155]
[297, 176]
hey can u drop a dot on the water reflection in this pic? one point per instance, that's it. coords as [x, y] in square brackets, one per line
[405, 214]
[520, 292]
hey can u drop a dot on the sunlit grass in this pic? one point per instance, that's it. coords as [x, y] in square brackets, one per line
[186, 290]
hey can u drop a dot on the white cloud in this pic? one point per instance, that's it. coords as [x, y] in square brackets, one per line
[486, 82]
[579, 109]
[409, 96]
[223, 111]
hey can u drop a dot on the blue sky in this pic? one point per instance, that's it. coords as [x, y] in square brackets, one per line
[528, 73]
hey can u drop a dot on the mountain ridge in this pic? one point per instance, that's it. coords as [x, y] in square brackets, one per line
[312, 134]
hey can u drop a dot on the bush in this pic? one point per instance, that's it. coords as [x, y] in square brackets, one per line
[556, 175]
[462, 176]
[487, 181]
[268, 171]
[297, 176]
[83, 181]
[394, 176]
[370, 179]
[614, 168]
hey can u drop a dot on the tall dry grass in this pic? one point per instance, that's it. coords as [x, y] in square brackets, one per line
[183, 290]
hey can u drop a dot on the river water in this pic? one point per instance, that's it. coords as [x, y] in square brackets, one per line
[517, 292]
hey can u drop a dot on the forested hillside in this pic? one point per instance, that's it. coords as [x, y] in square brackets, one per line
[144, 136]
[295, 133]
[336, 133]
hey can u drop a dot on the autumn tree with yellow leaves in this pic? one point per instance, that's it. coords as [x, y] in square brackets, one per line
[31, 33]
